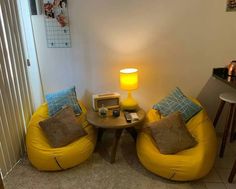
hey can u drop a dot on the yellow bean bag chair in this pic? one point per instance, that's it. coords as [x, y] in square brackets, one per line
[46, 158]
[190, 164]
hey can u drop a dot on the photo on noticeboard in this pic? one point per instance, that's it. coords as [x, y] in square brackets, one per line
[56, 9]
[231, 5]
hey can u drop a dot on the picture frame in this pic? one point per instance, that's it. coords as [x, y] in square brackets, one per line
[231, 5]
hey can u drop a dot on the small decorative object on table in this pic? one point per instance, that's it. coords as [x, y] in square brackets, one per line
[103, 111]
[116, 112]
[134, 116]
[128, 117]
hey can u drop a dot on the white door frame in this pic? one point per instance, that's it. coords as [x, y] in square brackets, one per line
[33, 69]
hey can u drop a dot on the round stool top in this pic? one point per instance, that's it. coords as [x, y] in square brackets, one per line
[228, 97]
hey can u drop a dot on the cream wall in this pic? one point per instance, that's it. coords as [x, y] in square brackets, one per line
[172, 43]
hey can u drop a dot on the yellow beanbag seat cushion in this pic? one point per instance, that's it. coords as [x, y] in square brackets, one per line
[190, 164]
[46, 158]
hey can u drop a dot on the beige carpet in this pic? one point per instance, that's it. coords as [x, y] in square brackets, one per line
[98, 173]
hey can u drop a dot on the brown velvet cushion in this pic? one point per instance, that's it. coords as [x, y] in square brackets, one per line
[171, 134]
[62, 128]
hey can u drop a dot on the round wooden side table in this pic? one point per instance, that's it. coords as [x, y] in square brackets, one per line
[116, 123]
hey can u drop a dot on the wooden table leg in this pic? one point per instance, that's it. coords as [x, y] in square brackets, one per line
[232, 132]
[100, 134]
[226, 130]
[233, 172]
[221, 106]
[118, 133]
[1, 183]
[132, 132]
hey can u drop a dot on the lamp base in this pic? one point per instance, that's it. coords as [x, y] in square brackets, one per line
[129, 103]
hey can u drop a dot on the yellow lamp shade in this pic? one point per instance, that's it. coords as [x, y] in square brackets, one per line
[129, 79]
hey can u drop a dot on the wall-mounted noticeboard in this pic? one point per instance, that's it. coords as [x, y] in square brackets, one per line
[57, 23]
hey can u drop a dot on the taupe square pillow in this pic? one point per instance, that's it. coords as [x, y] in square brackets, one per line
[171, 134]
[62, 128]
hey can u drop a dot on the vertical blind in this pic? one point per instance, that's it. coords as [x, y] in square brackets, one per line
[15, 102]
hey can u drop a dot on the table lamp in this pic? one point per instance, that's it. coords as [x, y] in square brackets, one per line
[129, 82]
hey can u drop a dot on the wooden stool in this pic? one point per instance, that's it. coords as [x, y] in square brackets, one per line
[231, 121]
[233, 172]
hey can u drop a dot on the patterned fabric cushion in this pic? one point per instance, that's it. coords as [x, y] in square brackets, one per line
[56, 101]
[177, 101]
[171, 134]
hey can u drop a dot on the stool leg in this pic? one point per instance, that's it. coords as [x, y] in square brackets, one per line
[232, 134]
[226, 130]
[221, 106]
[233, 172]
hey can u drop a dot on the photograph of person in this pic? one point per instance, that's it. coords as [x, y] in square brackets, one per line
[231, 5]
[56, 9]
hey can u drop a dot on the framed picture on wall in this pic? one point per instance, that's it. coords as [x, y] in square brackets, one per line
[231, 5]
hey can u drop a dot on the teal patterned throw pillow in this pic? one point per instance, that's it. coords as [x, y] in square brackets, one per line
[56, 101]
[177, 101]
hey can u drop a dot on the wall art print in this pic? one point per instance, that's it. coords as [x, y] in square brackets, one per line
[57, 23]
[231, 5]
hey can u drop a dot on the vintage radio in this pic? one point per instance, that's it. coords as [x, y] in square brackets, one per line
[109, 100]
